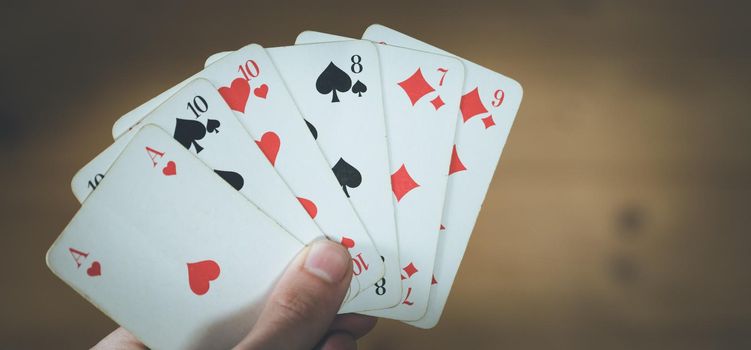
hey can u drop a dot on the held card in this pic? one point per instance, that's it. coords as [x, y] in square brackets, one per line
[488, 107]
[170, 251]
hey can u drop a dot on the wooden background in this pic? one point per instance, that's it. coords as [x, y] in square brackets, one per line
[618, 218]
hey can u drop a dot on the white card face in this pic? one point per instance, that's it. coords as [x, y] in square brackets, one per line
[170, 251]
[337, 88]
[421, 93]
[488, 107]
[199, 119]
[253, 89]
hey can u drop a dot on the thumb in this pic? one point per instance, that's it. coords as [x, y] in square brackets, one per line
[305, 301]
[120, 339]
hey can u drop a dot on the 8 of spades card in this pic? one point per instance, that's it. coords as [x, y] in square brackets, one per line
[337, 89]
[421, 101]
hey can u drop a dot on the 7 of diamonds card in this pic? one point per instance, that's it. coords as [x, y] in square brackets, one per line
[488, 108]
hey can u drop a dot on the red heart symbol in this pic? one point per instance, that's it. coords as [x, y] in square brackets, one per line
[348, 242]
[95, 269]
[170, 169]
[236, 95]
[269, 145]
[309, 206]
[261, 91]
[200, 274]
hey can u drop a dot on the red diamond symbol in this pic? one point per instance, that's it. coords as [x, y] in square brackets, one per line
[456, 163]
[488, 121]
[416, 87]
[471, 105]
[437, 102]
[402, 182]
[409, 270]
[433, 281]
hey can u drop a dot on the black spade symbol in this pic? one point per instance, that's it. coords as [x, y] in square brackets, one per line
[234, 179]
[213, 125]
[187, 132]
[347, 175]
[312, 129]
[331, 80]
[359, 88]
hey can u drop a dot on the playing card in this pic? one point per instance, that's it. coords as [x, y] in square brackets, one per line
[253, 89]
[421, 93]
[215, 57]
[170, 251]
[199, 119]
[488, 106]
[337, 88]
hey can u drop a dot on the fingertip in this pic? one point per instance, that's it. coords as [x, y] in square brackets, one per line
[328, 261]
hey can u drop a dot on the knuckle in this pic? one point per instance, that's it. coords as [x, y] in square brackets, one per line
[296, 307]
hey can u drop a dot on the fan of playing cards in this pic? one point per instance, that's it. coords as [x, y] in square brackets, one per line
[386, 145]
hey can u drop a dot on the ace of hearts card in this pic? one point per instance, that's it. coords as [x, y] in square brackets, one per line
[171, 251]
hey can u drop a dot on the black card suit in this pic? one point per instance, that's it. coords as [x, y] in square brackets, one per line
[331, 80]
[359, 88]
[312, 129]
[212, 125]
[347, 175]
[234, 179]
[187, 132]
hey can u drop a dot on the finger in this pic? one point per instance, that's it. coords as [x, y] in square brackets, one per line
[120, 339]
[305, 300]
[339, 341]
[356, 325]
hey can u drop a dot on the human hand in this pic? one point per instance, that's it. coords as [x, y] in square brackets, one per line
[301, 311]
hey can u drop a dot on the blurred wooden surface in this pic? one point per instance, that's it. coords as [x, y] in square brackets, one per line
[617, 219]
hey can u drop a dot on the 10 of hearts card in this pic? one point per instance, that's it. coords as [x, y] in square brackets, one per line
[384, 144]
